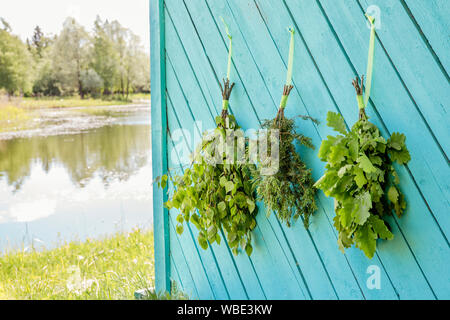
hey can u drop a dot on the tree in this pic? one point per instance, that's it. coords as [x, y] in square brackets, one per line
[39, 41]
[15, 63]
[70, 56]
[92, 82]
[104, 58]
[6, 25]
[137, 65]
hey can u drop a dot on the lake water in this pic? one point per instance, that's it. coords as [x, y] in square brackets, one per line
[80, 173]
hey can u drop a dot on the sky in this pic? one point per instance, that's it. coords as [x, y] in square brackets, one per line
[24, 15]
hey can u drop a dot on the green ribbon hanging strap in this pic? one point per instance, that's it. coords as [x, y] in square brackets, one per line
[225, 104]
[283, 102]
[360, 100]
[370, 60]
[230, 51]
[290, 69]
[291, 58]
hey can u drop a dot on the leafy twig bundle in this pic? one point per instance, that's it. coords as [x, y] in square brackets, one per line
[289, 191]
[361, 177]
[216, 193]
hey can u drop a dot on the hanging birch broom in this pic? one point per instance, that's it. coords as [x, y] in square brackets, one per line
[290, 191]
[360, 174]
[216, 193]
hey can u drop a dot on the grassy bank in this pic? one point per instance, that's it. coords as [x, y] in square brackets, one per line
[16, 114]
[68, 102]
[108, 269]
[13, 118]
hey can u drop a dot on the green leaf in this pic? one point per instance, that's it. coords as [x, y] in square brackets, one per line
[336, 121]
[360, 179]
[195, 220]
[251, 205]
[380, 228]
[253, 224]
[222, 206]
[366, 240]
[342, 171]
[353, 146]
[202, 241]
[212, 232]
[229, 186]
[345, 213]
[325, 148]
[180, 229]
[249, 249]
[337, 154]
[163, 181]
[218, 239]
[365, 164]
[344, 241]
[397, 141]
[232, 236]
[393, 194]
[362, 210]
[402, 157]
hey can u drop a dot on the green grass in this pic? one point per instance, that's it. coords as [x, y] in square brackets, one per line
[33, 103]
[13, 118]
[68, 102]
[112, 268]
[140, 96]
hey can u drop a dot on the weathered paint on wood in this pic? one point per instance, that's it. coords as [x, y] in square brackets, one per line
[410, 95]
[159, 143]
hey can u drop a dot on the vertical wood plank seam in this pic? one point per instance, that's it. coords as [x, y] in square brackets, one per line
[159, 155]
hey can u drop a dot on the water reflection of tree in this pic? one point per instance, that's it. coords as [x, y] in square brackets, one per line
[111, 152]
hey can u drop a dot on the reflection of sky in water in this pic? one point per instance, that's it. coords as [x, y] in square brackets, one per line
[52, 205]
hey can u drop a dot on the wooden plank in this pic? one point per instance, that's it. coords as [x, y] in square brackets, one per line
[432, 21]
[179, 269]
[159, 147]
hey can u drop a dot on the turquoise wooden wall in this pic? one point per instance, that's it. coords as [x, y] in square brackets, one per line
[411, 94]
